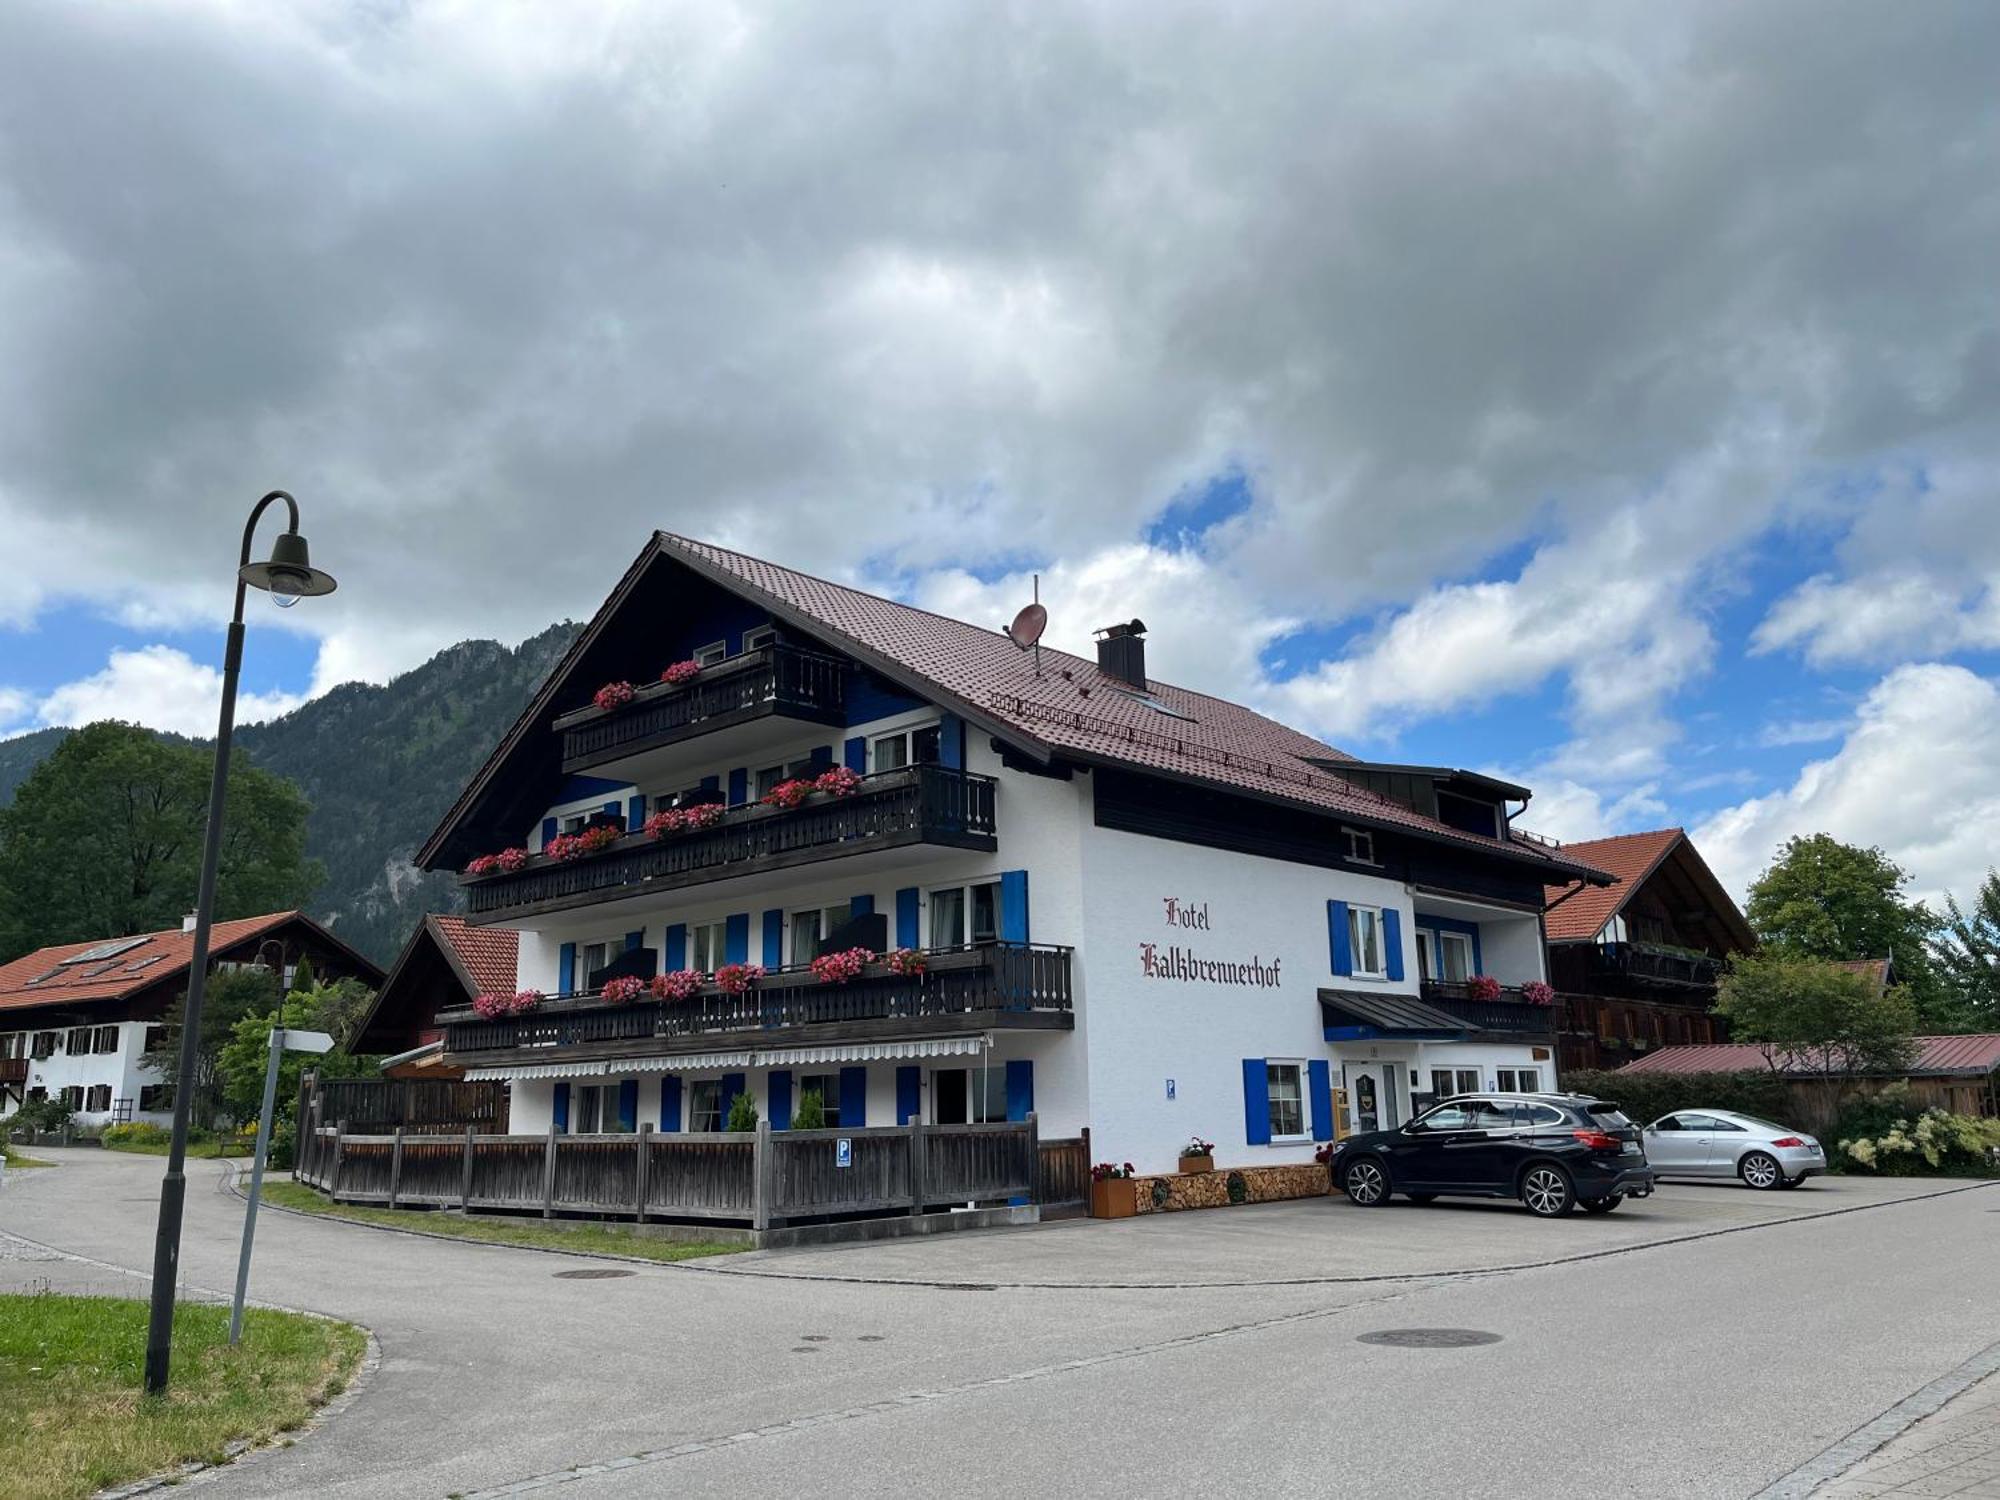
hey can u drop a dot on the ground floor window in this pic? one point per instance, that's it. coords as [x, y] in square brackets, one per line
[155, 1098]
[72, 1097]
[968, 1096]
[1448, 1081]
[827, 1086]
[704, 1096]
[1519, 1080]
[586, 1109]
[1284, 1084]
[99, 1098]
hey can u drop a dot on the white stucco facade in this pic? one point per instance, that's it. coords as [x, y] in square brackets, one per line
[100, 1069]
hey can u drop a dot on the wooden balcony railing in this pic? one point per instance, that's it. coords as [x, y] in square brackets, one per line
[1022, 985]
[1508, 1013]
[782, 681]
[1652, 964]
[916, 805]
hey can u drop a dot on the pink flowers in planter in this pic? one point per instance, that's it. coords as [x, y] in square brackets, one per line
[506, 862]
[1483, 987]
[623, 990]
[681, 673]
[702, 815]
[485, 864]
[905, 961]
[788, 794]
[593, 840]
[1537, 993]
[837, 782]
[667, 820]
[838, 968]
[736, 979]
[613, 695]
[680, 984]
[499, 1007]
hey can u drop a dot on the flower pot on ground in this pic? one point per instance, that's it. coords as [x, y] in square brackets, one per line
[1190, 1165]
[1114, 1198]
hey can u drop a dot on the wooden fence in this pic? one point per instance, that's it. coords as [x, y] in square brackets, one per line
[1065, 1170]
[759, 1178]
[427, 1106]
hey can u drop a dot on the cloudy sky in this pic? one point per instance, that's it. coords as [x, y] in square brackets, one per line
[1606, 396]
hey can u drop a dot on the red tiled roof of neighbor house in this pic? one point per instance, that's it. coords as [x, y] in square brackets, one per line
[488, 955]
[1971, 1055]
[59, 974]
[1629, 858]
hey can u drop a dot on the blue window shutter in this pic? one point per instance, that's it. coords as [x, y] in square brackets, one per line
[1337, 938]
[549, 827]
[635, 814]
[1020, 1088]
[1014, 906]
[822, 758]
[1256, 1102]
[670, 1103]
[909, 1094]
[951, 742]
[861, 906]
[561, 1115]
[676, 956]
[853, 1098]
[614, 809]
[906, 917]
[635, 940]
[856, 751]
[1392, 942]
[736, 938]
[774, 938]
[565, 968]
[732, 1085]
[628, 1104]
[781, 1098]
[711, 783]
[1319, 1086]
[739, 786]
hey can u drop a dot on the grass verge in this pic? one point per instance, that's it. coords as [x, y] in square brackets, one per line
[206, 1150]
[14, 1158]
[612, 1239]
[71, 1369]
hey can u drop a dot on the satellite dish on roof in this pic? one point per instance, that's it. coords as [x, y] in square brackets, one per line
[1026, 631]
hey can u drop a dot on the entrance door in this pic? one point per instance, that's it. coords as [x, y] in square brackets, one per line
[1372, 1094]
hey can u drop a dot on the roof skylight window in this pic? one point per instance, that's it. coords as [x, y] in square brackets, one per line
[1142, 696]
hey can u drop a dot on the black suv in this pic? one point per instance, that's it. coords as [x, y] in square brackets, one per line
[1552, 1151]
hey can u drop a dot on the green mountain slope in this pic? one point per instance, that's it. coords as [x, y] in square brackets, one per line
[380, 765]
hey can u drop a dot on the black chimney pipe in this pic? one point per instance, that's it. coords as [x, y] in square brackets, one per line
[1121, 652]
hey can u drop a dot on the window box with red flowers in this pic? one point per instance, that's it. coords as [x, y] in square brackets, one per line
[1482, 987]
[907, 962]
[1197, 1155]
[736, 979]
[681, 673]
[838, 968]
[613, 695]
[1537, 993]
[837, 782]
[789, 794]
[623, 990]
[677, 984]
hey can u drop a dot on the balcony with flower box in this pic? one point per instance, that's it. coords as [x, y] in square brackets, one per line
[1509, 1010]
[915, 806]
[777, 681]
[929, 994]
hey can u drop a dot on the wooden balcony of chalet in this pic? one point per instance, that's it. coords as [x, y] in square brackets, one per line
[924, 804]
[1652, 965]
[778, 681]
[962, 991]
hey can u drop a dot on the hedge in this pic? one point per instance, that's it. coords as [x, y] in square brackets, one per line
[1646, 1096]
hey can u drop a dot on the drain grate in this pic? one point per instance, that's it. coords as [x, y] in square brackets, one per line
[606, 1274]
[1429, 1338]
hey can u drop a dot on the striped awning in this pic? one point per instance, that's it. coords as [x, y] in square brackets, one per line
[772, 1057]
[848, 1052]
[617, 1066]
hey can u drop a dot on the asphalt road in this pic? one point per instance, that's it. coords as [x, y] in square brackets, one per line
[1706, 1367]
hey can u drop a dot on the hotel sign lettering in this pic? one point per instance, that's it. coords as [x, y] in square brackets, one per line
[1173, 962]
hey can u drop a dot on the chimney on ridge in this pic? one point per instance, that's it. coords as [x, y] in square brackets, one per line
[188, 921]
[1121, 652]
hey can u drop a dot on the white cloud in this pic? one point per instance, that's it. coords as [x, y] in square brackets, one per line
[161, 688]
[1914, 776]
[1570, 810]
[1800, 732]
[13, 707]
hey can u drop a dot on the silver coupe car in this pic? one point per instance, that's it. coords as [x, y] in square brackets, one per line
[1723, 1143]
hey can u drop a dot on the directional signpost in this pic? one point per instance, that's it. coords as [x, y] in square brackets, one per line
[282, 1041]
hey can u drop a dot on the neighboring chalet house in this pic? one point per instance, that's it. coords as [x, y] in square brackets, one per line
[1957, 1073]
[1636, 963]
[446, 964]
[75, 1018]
[1136, 907]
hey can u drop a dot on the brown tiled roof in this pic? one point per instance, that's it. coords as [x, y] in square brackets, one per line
[45, 977]
[1073, 707]
[1971, 1056]
[487, 956]
[1876, 971]
[1630, 858]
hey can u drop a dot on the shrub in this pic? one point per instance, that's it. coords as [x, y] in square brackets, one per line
[742, 1112]
[1933, 1141]
[41, 1114]
[811, 1113]
[139, 1133]
[1646, 1096]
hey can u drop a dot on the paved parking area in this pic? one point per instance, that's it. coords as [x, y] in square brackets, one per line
[1318, 1240]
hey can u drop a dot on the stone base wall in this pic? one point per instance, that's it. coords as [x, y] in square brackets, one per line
[1170, 1193]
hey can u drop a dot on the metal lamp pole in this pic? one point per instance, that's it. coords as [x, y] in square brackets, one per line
[289, 575]
[282, 1041]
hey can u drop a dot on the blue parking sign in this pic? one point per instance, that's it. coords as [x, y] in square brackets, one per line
[843, 1152]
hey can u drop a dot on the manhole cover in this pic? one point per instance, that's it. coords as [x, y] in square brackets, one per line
[1430, 1338]
[603, 1275]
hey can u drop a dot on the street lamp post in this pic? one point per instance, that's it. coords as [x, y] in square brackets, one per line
[288, 576]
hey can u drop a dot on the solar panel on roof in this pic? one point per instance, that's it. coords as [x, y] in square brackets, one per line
[105, 950]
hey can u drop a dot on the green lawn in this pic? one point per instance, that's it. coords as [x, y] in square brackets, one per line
[207, 1150]
[16, 1159]
[615, 1239]
[70, 1375]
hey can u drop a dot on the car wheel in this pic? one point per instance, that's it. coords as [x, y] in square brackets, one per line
[1760, 1169]
[1366, 1183]
[1602, 1205]
[1421, 1198]
[1546, 1190]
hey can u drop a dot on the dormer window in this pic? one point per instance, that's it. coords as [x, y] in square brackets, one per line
[758, 639]
[712, 653]
[1358, 845]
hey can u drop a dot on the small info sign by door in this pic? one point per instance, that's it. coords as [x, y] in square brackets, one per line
[843, 1152]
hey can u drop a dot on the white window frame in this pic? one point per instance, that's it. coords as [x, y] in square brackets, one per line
[758, 638]
[712, 937]
[831, 916]
[1520, 1079]
[791, 770]
[906, 737]
[712, 653]
[1298, 1069]
[579, 979]
[964, 889]
[1613, 931]
[1355, 946]
[1431, 942]
[829, 1097]
[985, 1094]
[1358, 845]
[1458, 1083]
[697, 1088]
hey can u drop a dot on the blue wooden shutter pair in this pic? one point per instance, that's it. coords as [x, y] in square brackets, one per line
[736, 938]
[732, 1085]
[774, 939]
[561, 1115]
[1392, 943]
[909, 1094]
[1256, 1102]
[635, 813]
[635, 940]
[856, 751]
[670, 1103]
[906, 918]
[861, 906]
[1014, 906]
[1020, 1088]
[628, 1104]
[781, 1098]
[549, 827]
[951, 742]
[1339, 942]
[615, 809]
[853, 1098]
[566, 967]
[676, 956]
[1319, 1088]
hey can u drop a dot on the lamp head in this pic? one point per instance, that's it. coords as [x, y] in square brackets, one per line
[289, 576]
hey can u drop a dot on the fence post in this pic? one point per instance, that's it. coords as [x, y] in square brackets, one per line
[339, 1150]
[760, 1177]
[639, 1177]
[299, 1121]
[396, 1167]
[549, 1175]
[465, 1174]
[918, 1165]
[1034, 1159]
